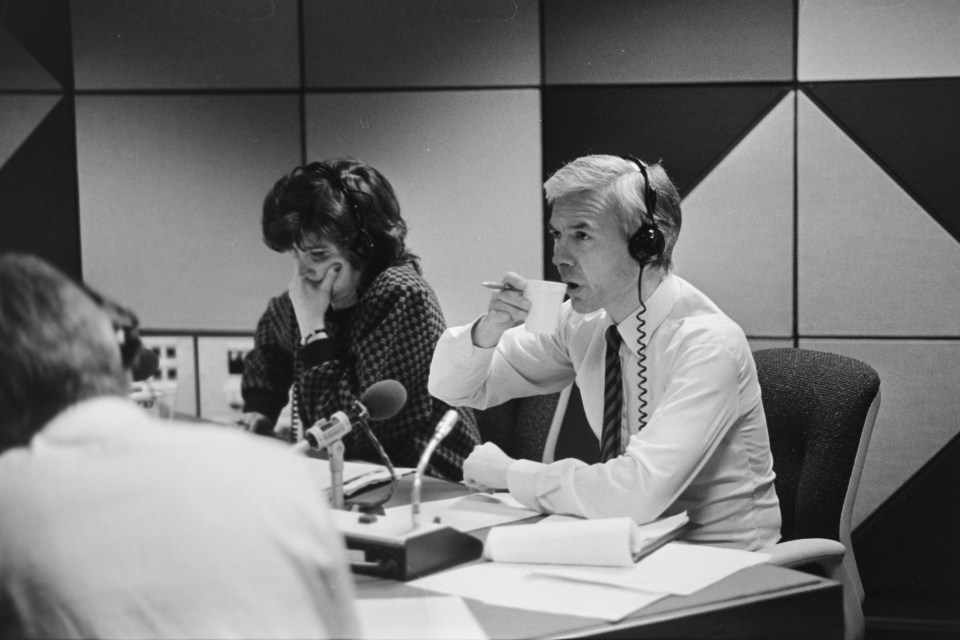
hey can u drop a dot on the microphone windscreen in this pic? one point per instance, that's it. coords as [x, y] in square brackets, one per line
[145, 364]
[384, 399]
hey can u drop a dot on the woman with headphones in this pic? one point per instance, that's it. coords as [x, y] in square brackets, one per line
[357, 311]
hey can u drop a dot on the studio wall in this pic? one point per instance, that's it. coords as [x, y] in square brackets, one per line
[813, 143]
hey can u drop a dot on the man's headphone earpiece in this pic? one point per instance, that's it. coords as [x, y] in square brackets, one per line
[647, 242]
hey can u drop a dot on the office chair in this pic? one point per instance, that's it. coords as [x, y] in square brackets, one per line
[520, 426]
[820, 410]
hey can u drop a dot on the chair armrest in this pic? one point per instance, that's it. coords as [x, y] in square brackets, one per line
[792, 553]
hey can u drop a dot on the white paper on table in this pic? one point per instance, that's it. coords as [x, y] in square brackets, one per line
[676, 567]
[429, 617]
[356, 475]
[597, 542]
[519, 586]
[611, 542]
[468, 513]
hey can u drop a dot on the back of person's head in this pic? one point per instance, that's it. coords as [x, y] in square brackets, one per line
[57, 347]
[345, 201]
[616, 184]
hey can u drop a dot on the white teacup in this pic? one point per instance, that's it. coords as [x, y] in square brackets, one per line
[545, 297]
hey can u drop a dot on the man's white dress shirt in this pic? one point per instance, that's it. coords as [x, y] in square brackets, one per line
[117, 525]
[704, 448]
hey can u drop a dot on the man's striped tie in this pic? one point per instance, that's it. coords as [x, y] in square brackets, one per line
[612, 398]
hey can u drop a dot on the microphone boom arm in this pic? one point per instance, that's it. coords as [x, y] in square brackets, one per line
[445, 426]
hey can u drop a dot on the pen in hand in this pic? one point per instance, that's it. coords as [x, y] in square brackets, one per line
[499, 286]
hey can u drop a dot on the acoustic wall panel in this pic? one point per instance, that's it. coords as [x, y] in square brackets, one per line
[688, 128]
[19, 70]
[667, 41]
[918, 409]
[19, 116]
[911, 129]
[220, 366]
[177, 364]
[739, 220]
[171, 189]
[38, 191]
[143, 44]
[41, 29]
[871, 261]
[769, 343]
[866, 39]
[466, 169]
[421, 43]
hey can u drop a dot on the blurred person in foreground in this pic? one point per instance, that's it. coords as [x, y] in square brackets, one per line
[668, 381]
[115, 524]
[356, 311]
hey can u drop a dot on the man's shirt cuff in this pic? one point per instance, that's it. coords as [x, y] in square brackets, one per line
[522, 482]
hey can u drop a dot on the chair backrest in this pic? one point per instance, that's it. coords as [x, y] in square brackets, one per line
[820, 410]
[520, 426]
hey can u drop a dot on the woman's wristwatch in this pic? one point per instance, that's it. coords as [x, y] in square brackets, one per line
[316, 334]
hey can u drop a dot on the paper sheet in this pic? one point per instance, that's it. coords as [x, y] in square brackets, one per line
[600, 542]
[468, 513]
[429, 618]
[677, 567]
[611, 542]
[356, 475]
[520, 587]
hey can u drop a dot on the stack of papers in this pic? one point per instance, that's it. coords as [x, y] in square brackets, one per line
[469, 513]
[605, 542]
[547, 567]
[606, 593]
[357, 476]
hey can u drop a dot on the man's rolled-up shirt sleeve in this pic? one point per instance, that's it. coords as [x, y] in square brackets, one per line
[458, 368]
[522, 364]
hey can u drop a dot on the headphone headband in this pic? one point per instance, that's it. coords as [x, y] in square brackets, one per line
[364, 242]
[135, 358]
[647, 243]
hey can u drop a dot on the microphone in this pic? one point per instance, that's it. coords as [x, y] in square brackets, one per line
[444, 427]
[382, 548]
[381, 401]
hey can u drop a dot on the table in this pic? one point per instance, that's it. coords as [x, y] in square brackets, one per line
[762, 601]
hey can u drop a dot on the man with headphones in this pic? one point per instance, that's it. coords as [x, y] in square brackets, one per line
[116, 524]
[668, 382]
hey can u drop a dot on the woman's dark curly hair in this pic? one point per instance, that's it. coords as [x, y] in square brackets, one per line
[342, 200]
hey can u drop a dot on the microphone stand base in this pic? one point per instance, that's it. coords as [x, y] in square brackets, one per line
[411, 555]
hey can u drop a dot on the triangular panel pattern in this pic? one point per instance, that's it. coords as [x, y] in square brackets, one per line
[38, 188]
[20, 70]
[689, 128]
[871, 262]
[43, 28]
[19, 115]
[918, 383]
[912, 129]
[896, 557]
[739, 220]
[875, 39]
